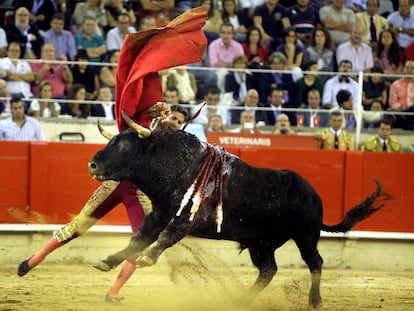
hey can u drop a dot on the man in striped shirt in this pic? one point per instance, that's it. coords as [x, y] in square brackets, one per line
[19, 126]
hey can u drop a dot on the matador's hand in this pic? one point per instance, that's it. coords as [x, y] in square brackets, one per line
[159, 110]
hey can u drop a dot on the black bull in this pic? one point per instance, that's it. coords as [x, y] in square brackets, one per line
[262, 208]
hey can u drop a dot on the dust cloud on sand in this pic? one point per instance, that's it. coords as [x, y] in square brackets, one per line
[190, 279]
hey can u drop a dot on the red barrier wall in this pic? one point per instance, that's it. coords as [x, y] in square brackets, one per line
[49, 182]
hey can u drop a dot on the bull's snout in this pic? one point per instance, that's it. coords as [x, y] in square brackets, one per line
[94, 171]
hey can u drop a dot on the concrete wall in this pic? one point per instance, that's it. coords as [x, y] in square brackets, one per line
[338, 253]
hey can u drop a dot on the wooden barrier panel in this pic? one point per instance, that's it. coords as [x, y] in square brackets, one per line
[396, 173]
[14, 180]
[49, 182]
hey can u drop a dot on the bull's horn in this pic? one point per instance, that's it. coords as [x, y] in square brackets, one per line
[104, 133]
[143, 132]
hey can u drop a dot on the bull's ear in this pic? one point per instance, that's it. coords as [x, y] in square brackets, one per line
[104, 133]
[143, 132]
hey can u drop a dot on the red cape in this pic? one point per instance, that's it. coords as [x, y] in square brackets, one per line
[146, 52]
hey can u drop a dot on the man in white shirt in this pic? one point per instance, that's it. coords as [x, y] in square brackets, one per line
[18, 73]
[341, 82]
[19, 126]
[402, 23]
[115, 36]
[212, 99]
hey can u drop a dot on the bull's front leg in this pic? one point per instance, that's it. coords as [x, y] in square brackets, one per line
[147, 234]
[173, 233]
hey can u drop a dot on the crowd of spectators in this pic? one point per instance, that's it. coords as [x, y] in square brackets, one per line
[57, 49]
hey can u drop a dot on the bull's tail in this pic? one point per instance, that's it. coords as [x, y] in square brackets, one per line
[361, 211]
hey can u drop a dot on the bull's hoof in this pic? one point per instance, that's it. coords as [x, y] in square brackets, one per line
[24, 267]
[103, 266]
[144, 261]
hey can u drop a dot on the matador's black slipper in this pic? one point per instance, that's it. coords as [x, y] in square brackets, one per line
[24, 267]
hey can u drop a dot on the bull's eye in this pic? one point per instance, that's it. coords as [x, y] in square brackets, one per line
[124, 145]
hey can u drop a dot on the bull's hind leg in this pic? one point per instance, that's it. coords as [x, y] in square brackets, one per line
[263, 257]
[307, 245]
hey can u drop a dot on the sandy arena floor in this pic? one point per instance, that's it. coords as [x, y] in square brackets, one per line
[182, 285]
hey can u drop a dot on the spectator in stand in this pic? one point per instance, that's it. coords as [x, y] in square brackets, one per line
[276, 102]
[268, 18]
[402, 90]
[370, 117]
[303, 18]
[18, 126]
[214, 21]
[372, 23]
[3, 43]
[107, 75]
[388, 56]
[85, 75]
[268, 81]
[291, 49]
[282, 126]
[26, 34]
[62, 39]
[147, 22]
[212, 100]
[114, 8]
[257, 53]
[383, 141]
[354, 50]
[45, 106]
[172, 96]
[223, 50]
[185, 82]
[59, 75]
[342, 81]
[310, 81]
[334, 138]
[77, 108]
[314, 115]
[41, 11]
[402, 23]
[5, 101]
[247, 123]
[320, 50]
[18, 72]
[94, 9]
[88, 40]
[346, 106]
[159, 9]
[239, 80]
[250, 103]
[104, 107]
[115, 36]
[338, 20]
[230, 16]
[374, 88]
[215, 124]
[182, 6]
